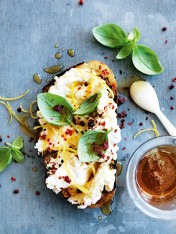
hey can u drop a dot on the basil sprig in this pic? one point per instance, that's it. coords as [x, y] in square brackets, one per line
[88, 105]
[86, 153]
[11, 151]
[143, 58]
[57, 110]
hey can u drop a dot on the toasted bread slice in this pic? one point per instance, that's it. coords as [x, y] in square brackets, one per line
[101, 70]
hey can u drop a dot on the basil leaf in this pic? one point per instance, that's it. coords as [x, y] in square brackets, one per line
[17, 156]
[85, 145]
[55, 109]
[134, 35]
[110, 35]
[17, 143]
[88, 105]
[5, 157]
[146, 61]
[126, 50]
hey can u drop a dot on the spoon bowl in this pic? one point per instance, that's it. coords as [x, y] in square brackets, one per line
[144, 95]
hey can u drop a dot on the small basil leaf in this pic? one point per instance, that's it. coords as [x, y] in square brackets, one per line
[134, 35]
[17, 143]
[88, 105]
[126, 50]
[17, 156]
[5, 157]
[85, 145]
[146, 61]
[55, 109]
[110, 35]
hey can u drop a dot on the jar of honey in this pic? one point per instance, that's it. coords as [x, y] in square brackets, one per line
[151, 177]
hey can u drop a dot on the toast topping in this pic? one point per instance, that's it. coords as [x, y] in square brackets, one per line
[82, 182]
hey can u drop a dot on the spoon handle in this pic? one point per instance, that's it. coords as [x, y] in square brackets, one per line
[167, 124]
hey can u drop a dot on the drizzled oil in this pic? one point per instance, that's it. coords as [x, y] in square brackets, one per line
[53, 69]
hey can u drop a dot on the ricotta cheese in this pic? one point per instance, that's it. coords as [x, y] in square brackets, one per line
[65, 171]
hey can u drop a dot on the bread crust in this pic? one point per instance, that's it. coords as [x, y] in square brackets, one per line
[105, 73]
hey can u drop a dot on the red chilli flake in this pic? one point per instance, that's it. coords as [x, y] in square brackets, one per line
[13, 178]
[105, 72]
[103, 124]
[174, 79]
[69, 132]
[43, 137]
[67, 179]
[16, 191]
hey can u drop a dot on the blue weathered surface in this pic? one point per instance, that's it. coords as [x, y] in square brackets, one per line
[28, 31]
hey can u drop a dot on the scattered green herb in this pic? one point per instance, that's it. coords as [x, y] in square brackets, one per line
[86, 152]
[55, 109]
[110, 35]
[144, 59]
[88, 105]
[11, 151]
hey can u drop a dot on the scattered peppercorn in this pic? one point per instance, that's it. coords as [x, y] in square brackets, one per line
[0, 139]
[146, 118]
[19, 109]
[82, 123]
[140, 124]
[172, 107]
[120, 72]
[16, 191]
[171, 98]
[31, 139]
[171, 86]
[174, 79]
[166, 41]
[8, 136]
[121, 100]
[164, 29]
[81, 2]
[123, 148]
[13, 178]
[105, 57]
[122, 124]
[37, 193]
[123, 114]
[91, 123]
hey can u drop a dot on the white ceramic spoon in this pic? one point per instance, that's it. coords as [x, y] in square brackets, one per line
[144, 95]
